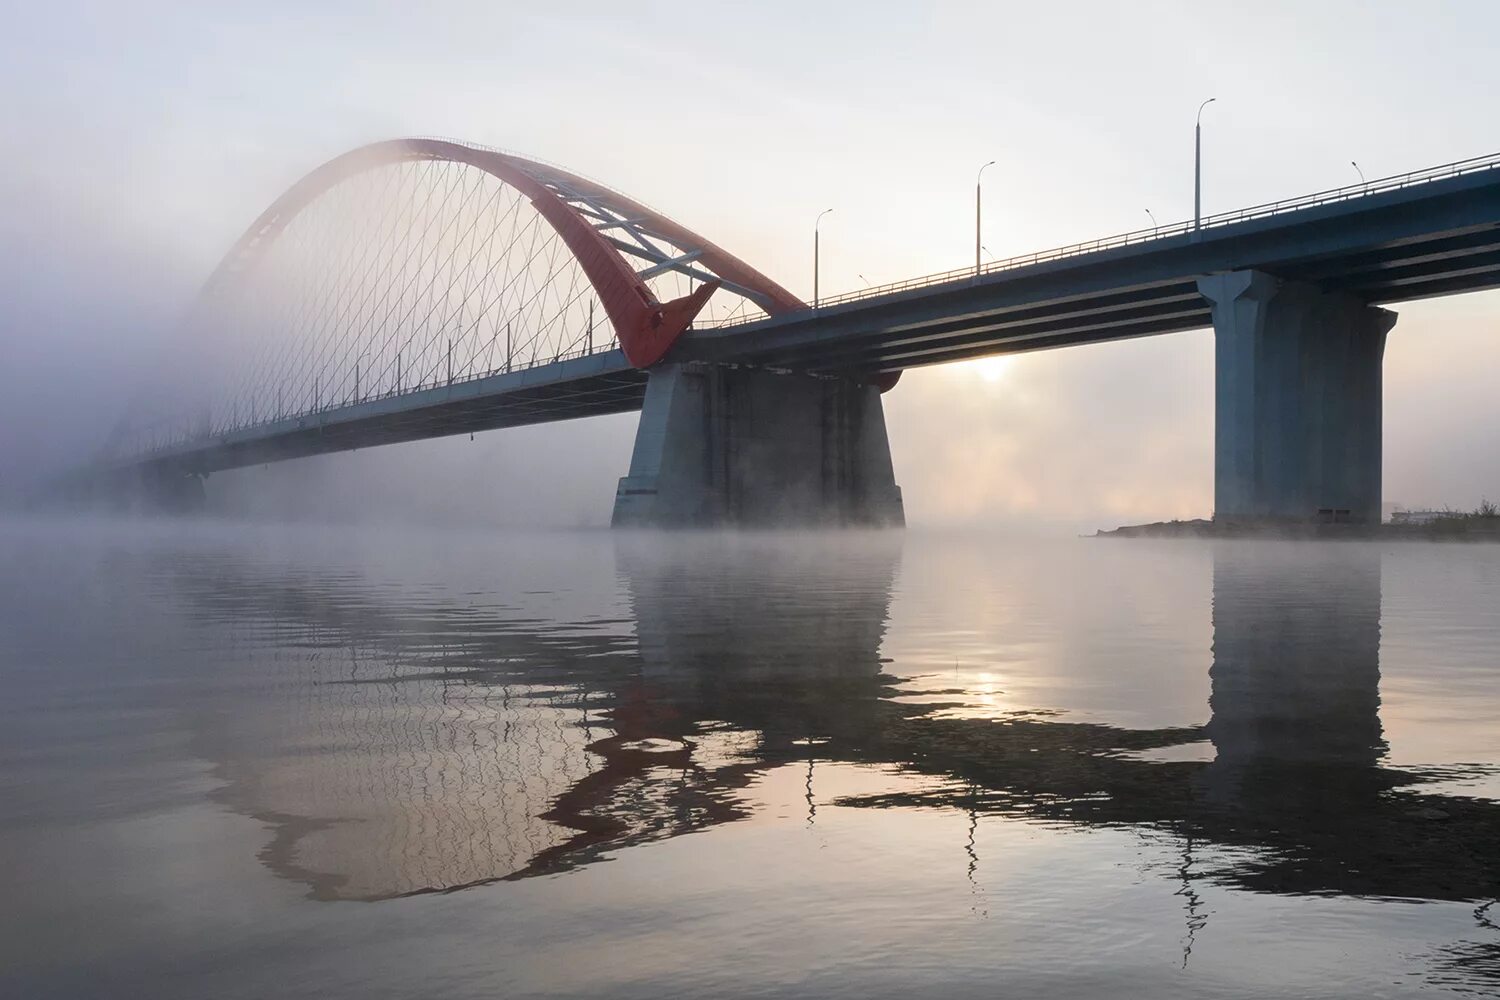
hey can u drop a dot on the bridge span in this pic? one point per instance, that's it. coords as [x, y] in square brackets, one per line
[422, 287]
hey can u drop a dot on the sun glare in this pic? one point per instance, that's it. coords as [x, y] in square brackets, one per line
[989, 369]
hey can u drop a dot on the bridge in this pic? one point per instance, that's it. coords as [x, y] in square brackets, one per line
[424, 287]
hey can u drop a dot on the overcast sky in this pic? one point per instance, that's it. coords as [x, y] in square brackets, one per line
[140, 139]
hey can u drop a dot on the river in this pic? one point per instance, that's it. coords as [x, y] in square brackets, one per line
[250, 761]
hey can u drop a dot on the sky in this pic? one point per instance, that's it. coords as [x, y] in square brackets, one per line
[141, 139]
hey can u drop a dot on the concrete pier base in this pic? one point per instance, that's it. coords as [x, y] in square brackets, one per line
[1297, 432]
[165, 492]
[721, 445]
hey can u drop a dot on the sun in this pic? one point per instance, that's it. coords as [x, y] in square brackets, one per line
[989, 369]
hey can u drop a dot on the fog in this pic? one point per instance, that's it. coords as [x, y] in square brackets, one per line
[141, 142]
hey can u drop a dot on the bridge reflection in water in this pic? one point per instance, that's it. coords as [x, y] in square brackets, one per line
[415, 749]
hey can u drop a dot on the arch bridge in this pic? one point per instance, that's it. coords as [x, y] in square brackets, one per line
[425, 287]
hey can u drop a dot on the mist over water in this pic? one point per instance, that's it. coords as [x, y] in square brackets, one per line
[245, 760]
[406, 721]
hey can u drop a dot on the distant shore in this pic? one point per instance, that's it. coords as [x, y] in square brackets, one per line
[1458, 528]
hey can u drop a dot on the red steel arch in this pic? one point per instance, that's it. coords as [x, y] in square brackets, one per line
[647, 328]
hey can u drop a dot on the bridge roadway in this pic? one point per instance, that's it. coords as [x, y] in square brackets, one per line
[1396, 243]
[1436, 232]
[588, 385]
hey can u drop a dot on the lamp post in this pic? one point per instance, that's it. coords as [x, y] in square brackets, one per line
[978, 212]
[1154, 223]
[1362, 181]
[815, 254]
[1198, 165]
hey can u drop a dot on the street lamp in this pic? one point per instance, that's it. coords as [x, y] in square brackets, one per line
[1154, 223]
[815, 254]
[1362, 181]
[978, 206]
[1198, 165]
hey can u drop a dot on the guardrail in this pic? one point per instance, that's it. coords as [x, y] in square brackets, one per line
[165, 436]
[1136, 236]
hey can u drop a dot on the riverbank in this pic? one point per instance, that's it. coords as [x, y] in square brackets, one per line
[1458, 528]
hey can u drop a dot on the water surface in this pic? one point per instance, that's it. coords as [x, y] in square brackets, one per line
[241, 762]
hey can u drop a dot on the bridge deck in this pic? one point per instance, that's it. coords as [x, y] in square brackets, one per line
[1436, 237]
[588, 386]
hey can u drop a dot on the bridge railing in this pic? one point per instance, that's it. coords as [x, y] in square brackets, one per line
[148, 440]
[1137, 236]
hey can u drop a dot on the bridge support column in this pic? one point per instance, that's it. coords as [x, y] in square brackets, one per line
[166, 491]
[721, 445]
[1297, 400]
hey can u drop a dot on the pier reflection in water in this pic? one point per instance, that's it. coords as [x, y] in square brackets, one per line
[399, 751]
[447, 748]
[398, 741]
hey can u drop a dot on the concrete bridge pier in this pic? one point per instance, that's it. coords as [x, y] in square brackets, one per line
[1297, 433]
[722, 445]
[165, 491]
